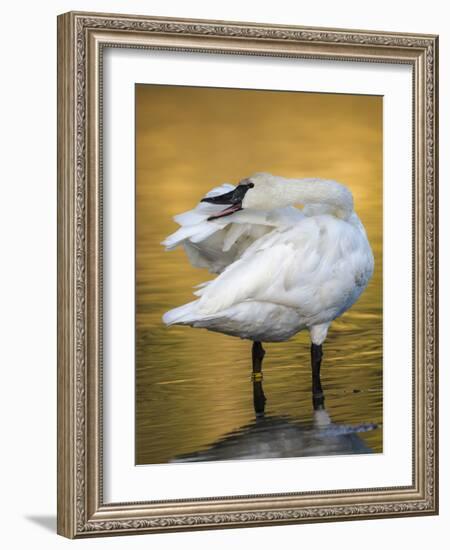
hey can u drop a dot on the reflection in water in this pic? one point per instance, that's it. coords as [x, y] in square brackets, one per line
[192, 386]
[280, 437]
[277, 437]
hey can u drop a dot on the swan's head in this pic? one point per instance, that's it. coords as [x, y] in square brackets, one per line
[266, 192]
[258, 192]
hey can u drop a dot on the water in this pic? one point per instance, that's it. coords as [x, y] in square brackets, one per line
[194, 397]
[278, 437]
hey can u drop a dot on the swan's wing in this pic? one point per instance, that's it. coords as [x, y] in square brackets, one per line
[218, 243]
[314, 266]
[194, 225]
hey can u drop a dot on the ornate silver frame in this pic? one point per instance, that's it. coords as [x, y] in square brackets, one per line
[81, 39]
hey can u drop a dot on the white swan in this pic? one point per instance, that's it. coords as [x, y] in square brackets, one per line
[282, 270]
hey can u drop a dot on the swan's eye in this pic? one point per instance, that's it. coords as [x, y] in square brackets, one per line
[251, 185]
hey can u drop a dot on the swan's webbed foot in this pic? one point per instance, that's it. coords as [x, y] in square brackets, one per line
[259, 399]
[317, 392]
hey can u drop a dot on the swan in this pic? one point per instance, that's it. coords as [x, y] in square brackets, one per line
[281, 269]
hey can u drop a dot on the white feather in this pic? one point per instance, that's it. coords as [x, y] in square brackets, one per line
[218, 243]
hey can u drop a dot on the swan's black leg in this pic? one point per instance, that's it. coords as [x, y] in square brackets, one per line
[259, 399]
[317, 392]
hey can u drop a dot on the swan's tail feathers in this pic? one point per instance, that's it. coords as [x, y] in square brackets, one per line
[183, 315]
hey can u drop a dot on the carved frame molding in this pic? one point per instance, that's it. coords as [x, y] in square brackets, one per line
[81, 39]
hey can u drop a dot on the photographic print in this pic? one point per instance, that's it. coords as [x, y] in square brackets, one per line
[258, 274]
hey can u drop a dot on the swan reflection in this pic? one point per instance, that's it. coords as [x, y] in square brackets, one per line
[282, 437]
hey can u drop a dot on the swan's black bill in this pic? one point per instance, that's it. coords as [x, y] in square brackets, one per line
[232, 198]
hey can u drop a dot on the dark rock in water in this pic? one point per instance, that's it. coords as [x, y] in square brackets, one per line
[278, 437]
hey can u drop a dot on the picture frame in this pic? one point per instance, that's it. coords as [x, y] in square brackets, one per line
[82, 40]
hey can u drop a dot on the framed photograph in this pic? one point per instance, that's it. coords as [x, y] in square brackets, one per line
[247, 284]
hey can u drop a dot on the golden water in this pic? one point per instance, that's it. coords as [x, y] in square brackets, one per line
[193, 386]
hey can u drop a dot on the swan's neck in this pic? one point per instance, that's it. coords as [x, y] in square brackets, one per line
[336, 197]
